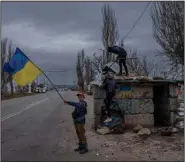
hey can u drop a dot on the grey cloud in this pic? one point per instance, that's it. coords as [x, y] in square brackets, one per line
[66, 16]
[51, 61]
[83, 18]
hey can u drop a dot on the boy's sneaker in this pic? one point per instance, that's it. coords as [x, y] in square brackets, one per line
[108, 120]
[83, 151]
[77, 149]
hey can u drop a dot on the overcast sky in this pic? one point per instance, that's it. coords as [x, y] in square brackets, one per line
[51, 33]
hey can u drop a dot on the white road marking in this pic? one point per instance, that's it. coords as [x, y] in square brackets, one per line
[24, 109]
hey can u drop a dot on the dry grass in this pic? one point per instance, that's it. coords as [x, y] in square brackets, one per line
[17, 95]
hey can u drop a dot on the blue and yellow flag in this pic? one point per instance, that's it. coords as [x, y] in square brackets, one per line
[21, 68]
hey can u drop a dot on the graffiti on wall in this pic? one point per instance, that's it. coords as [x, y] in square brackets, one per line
[142, 92]
[145, 106]
[125, 92]
[181, 91]
[128, 92]
[142, 119]
[136, 106]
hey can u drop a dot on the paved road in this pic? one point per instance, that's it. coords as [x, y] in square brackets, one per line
[40, 128]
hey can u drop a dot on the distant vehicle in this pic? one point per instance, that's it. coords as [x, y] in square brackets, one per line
[73, 89]
[65, 89]
[41, 89]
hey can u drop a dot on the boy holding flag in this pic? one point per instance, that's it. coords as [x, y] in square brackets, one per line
[78, 116]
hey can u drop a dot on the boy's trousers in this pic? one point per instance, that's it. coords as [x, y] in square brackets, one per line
[80, 131]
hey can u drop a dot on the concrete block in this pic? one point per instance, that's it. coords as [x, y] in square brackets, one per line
[181, 92]
[134, 92]
[136, 106]
[98, 103]
[143, 92]
[172, 101]
[172, 117]
[97, 121]
[144, 106]
[141, 119]
[173, 90]
[126, 106]
[173, 107]
[124, 92]
[99, 93]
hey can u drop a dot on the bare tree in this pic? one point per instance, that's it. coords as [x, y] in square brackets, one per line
[168, 30]
[147, 66]
[98, 61]
[3, 61]
[109, 30]
[89, 71]
[122, 43]
[110, 37]
[140, 66]
[80, 68]
[10, 78]
[134, 65]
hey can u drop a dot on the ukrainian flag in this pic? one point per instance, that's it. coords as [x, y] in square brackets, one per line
[21, 68]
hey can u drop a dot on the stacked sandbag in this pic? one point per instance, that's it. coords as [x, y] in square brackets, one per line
[179, 115]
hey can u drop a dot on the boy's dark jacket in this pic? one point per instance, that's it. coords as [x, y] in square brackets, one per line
[109, 85]
[80, 111]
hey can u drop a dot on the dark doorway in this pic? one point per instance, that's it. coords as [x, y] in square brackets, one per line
[161, 105]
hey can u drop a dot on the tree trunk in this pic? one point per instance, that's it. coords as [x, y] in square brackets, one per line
[11, 86]
[4, 90]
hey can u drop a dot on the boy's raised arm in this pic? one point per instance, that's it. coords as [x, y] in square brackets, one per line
[71, 103]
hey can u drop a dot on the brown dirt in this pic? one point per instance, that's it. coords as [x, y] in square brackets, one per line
[130, 147]
[156, 147]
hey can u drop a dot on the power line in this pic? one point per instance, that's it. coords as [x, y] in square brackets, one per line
[137, 21]
[60, 70]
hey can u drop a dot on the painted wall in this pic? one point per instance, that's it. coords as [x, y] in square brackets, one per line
[134, 92]
[142, 119]
[181, 92]
[136, 106]
[135, 101]
[177, 91]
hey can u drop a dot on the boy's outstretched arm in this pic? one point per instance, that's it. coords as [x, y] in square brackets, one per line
[70, 103]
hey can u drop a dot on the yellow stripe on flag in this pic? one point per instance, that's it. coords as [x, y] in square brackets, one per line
[27, 75]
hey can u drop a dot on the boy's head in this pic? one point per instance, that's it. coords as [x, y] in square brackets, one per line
[81, 96]
[110, 75]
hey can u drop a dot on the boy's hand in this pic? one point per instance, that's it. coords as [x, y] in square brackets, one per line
[65, 101]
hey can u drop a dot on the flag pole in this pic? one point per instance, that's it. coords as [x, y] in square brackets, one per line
[51, 83]
[44, 75]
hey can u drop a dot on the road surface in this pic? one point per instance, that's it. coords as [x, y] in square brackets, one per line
[40, 127]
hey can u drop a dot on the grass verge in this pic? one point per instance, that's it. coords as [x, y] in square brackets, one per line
[16, 95]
